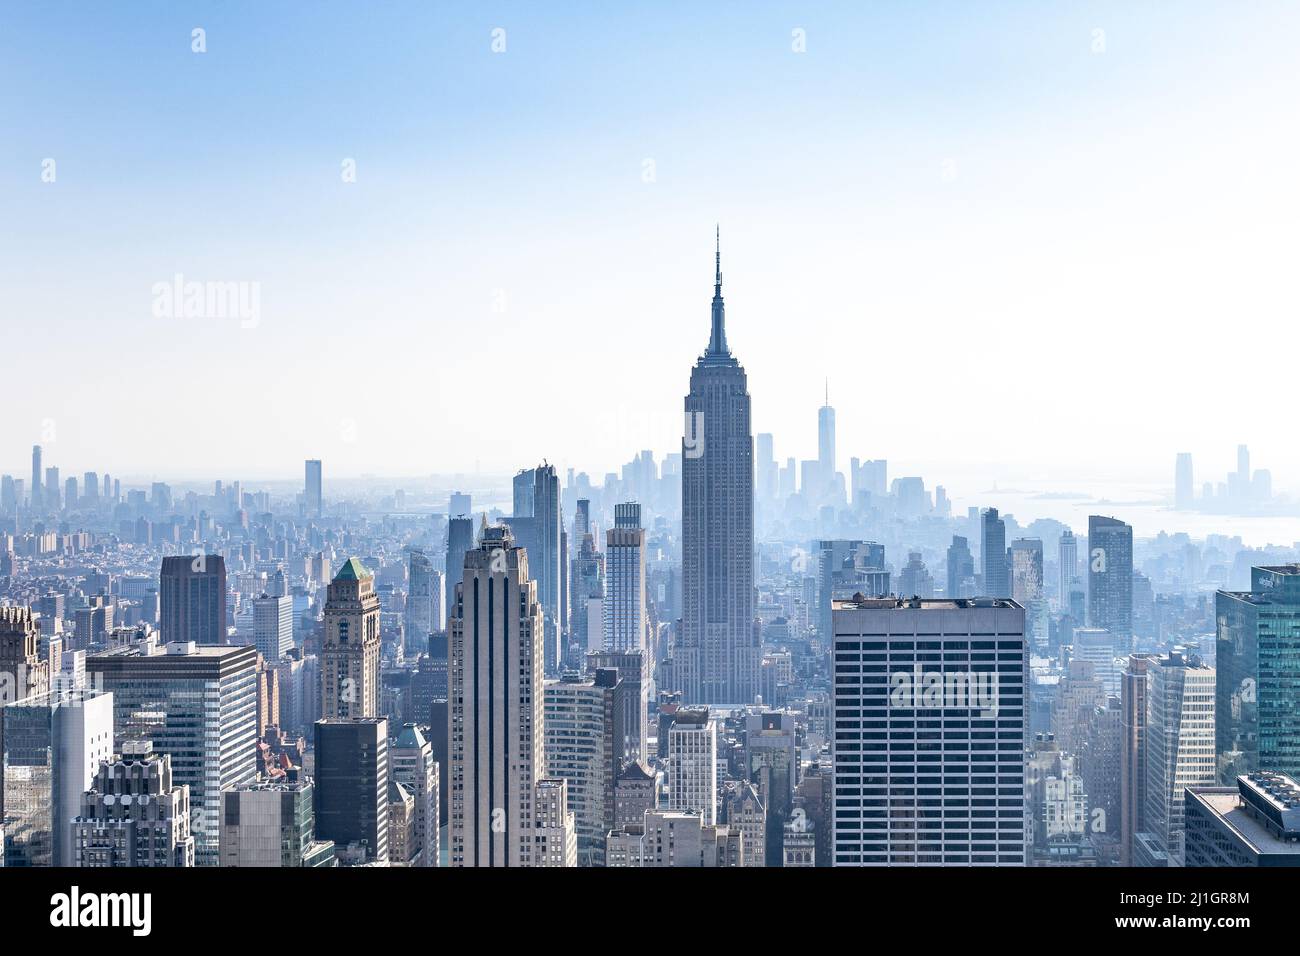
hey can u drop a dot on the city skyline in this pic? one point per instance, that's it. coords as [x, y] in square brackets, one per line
[377, 491]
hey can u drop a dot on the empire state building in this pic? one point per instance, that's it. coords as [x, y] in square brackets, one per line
[716, 660]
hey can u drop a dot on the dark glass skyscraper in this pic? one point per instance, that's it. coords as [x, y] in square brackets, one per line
[993, 554]
[716, 660]
[1257, 659]
[192, 591]
[1110, 578]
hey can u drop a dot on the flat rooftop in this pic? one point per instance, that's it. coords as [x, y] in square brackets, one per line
[860, 602]
[1226, 802]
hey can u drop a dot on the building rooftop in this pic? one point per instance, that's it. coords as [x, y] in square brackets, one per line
[860, 602]
[352, 570]
[1226, 804]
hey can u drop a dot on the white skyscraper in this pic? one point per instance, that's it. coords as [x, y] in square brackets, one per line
[273, 626]
[624, 608]
[52, 746]
[1180, 746]
[496, 731]
[693, 764]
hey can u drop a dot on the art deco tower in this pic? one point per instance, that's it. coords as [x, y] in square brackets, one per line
[716, 661]
[350, 656]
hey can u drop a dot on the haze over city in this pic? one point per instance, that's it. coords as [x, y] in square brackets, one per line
[648, 436]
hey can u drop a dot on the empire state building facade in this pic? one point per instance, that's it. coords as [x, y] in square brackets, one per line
[717, 658]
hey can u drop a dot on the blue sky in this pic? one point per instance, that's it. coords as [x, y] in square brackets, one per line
[965, 215]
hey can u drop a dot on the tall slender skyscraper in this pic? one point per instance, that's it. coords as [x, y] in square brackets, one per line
[1068, 567]
[313, 488]
[1179, 741]
[536, 526]
[422, 598]
[625, 610]
[350, 655]
[36, 477]
[993, 555]
[496, 736]
[716, 660]
[826, 442]
[1110, 578]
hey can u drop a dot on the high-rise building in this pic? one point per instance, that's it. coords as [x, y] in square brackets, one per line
[844, 568]
[915, 579]
[961, 569]
[634, 675]
[412, 766]
[312, 488]
[36, 478]
[993, 555]
[538, 530]
[460, 539]
[1110, 578]
[273, 626]
[51, 745]
[717, 658]
[555, 840]
[133, 814]
[772, 764]
[1257, 663]
[1133, 754]
[587, 574]
[350, 651]
[1067, 561]
[693, 764]
[584, 723]
[192, 595]
[23, 672]
[496, 737]
[1027, 587]
[51, 493]
[196, 703]
[930, 755]
[423, 600]
[351, 795]
[624, 608]
[1183, 481]
[272, 824]
[1179, 743]
[826, 463]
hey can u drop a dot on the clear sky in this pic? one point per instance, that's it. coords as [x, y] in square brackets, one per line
[1016, 245]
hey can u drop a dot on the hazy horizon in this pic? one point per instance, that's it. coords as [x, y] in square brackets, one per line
[1057, 281]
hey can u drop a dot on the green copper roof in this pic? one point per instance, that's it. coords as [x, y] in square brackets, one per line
[352, 570]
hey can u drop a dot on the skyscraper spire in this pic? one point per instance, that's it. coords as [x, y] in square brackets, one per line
[718, 336]
[717, 258]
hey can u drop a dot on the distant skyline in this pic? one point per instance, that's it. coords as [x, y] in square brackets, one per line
[1062, 280]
